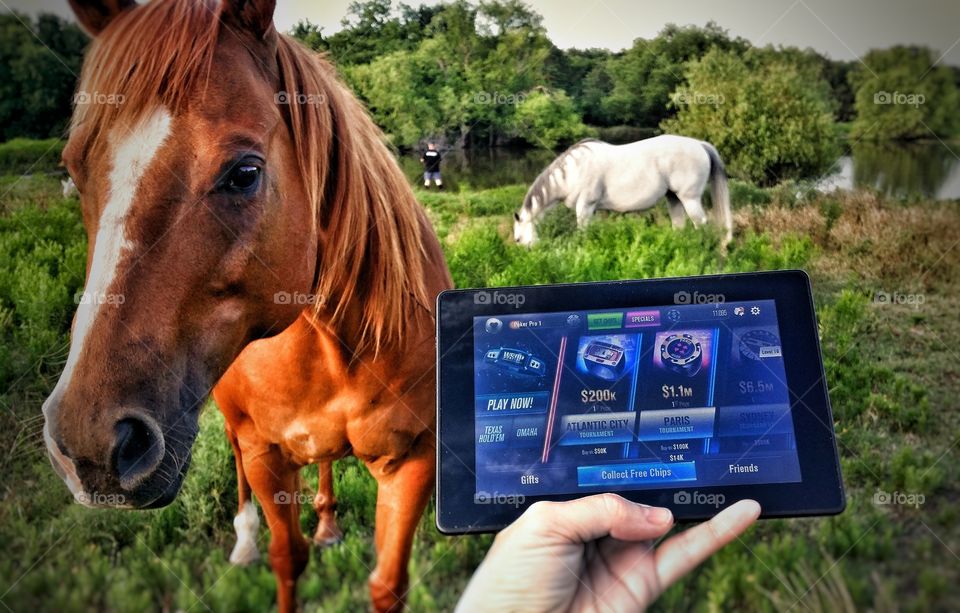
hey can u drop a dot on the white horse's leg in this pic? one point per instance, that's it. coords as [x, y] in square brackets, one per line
[585, 210]
[694, 209]
[678, 217]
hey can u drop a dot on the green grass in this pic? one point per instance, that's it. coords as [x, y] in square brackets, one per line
[891, 369]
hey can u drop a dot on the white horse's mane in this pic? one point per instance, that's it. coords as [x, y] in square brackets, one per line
[541, 184]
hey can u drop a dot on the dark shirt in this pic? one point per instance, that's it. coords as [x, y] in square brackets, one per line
[431, 161]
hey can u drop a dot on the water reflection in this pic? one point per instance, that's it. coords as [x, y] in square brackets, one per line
[928, 170]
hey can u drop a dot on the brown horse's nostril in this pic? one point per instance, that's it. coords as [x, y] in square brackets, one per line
[138, 450]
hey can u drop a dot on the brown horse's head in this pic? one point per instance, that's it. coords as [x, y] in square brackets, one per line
[218, 177]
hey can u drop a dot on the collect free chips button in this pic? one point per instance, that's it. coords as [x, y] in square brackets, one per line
[636, 473]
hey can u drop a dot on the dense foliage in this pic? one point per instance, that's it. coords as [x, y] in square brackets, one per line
[39, 64]
[772, 118]
[902, 93]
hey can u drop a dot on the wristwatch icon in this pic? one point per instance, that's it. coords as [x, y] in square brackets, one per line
[682, 354]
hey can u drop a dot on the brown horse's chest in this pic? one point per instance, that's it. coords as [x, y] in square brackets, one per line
[328, 410]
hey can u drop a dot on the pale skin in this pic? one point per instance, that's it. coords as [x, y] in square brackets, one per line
[598, 553]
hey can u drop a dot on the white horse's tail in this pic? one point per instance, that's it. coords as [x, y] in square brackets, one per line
[720, 191]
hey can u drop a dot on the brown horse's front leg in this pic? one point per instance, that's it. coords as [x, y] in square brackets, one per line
[325, 504]
[275, 482]
[401, 497]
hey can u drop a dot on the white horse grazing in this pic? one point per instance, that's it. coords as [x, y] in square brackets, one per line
[595, 175]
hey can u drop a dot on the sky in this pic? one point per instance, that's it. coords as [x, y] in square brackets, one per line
[841, 29]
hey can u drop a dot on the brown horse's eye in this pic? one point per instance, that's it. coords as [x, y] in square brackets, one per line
[244, 179]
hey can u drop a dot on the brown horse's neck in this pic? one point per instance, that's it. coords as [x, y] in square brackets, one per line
[348, 327]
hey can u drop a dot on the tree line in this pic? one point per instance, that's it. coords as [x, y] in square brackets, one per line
[477, 74]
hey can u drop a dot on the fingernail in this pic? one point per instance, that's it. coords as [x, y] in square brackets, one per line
[660, 515]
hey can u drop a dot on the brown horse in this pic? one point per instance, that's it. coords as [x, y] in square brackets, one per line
[244, 206]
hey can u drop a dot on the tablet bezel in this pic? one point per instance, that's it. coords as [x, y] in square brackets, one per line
[819, 493]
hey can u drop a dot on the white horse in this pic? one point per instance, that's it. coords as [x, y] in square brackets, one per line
[595, 175]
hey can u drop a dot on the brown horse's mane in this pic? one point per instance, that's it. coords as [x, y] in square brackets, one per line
[371, 228]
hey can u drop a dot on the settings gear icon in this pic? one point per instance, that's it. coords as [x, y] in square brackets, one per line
[755, 310]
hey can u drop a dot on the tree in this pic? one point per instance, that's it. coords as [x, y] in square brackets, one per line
[902, 94]
[548, 119]
[769, 118]
[465, 79]
[647, 73]
[39, 68]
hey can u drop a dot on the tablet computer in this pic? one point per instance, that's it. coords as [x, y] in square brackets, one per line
[688, 393]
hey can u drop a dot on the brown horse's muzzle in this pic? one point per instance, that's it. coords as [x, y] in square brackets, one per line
[128, 459]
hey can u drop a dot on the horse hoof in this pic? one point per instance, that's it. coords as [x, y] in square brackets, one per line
[327, 538]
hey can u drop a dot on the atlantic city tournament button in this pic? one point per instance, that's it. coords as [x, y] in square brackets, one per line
[671, 424]
[754, 420]
[590, 428]
[644, 473]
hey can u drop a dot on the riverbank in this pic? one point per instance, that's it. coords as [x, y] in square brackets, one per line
[886, 277]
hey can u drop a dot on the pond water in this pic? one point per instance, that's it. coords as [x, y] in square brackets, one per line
[926, 170]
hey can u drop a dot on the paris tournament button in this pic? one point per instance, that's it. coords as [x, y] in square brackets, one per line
[642, 473]
[672, 424]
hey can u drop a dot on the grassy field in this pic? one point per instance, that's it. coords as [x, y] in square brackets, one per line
[886, 277]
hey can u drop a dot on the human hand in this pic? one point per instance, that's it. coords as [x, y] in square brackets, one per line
[595, 553]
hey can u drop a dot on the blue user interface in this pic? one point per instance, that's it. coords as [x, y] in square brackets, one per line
[651, 397]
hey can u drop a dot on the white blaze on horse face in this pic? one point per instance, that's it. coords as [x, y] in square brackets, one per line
[133, 151]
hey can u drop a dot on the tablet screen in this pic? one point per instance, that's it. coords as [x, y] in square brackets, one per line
[645, 398]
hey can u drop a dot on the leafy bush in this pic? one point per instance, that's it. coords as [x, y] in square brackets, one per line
[769, 118]
[902, 94]
[548, 119]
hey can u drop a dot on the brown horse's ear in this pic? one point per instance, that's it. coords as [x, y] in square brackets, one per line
[96, 15]
[254, 16]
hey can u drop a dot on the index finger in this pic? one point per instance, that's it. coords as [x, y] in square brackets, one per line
[682, 553]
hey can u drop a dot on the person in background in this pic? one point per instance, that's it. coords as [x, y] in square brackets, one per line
[431, 166]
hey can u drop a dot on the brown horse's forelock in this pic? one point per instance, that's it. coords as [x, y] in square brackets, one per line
[369, 223]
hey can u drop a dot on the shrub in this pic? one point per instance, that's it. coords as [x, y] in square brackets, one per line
[548, 119]
[769, 118]
[902, 94]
